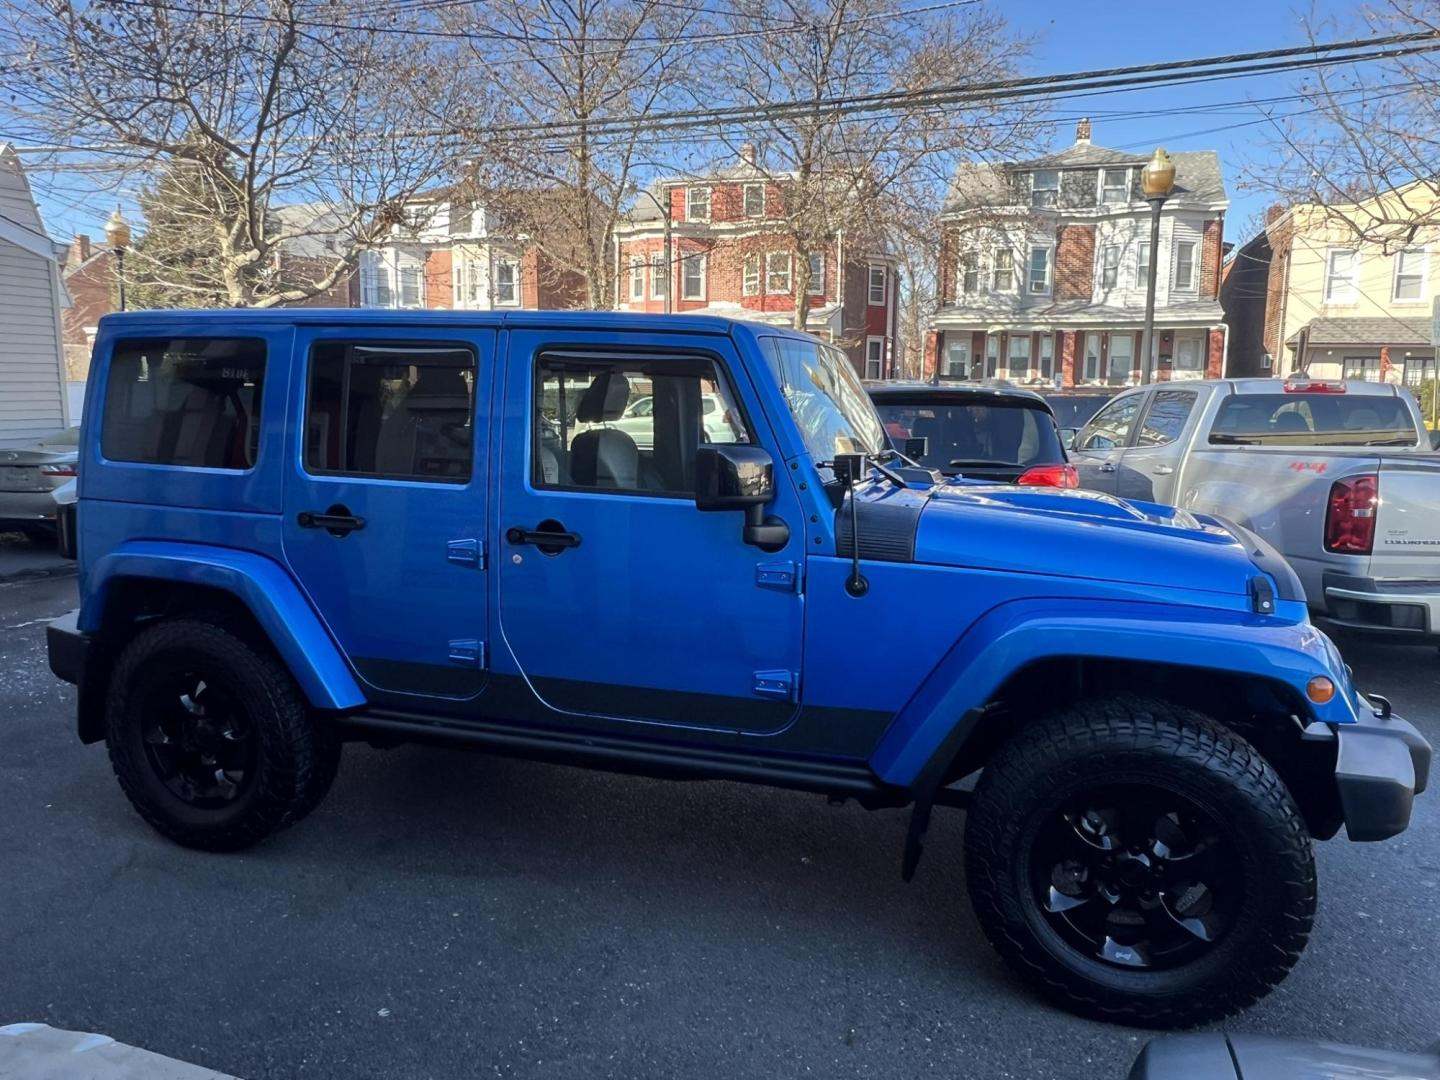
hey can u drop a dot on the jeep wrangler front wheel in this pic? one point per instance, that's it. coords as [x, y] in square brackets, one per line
[210, 738]
[1140, 863]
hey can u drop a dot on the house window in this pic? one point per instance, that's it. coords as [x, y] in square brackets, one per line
[506, 273]
[751, 285]
[697, 204]
[637, 278]
[969, 273]
[1340, 277]
[1003, 278]
[754, 200]
[1047, 356]
[992, 355]
[692, 277]
[1018, 363]
[777, 272]
[877, 284]
[874, 358]
[817, 274]
[659, 276]
[410, 295]
[374, 283]
[957, 360]
[1092, 357]
[1185, 266]
[1142, 263]
[1188, 355]
[1109, 266]
[1044, 187]
[1122, 358]
[1114, 185]
[1039, 269]
[1411, 266]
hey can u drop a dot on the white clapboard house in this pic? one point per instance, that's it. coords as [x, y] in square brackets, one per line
[32, 372]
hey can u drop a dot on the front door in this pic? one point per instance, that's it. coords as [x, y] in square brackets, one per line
[385, 501]
[617, 597]
[1101, 442]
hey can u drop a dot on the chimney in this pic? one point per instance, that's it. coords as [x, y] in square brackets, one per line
[1273, 213]
[747, 154]
[79, 250]
[1082, 131]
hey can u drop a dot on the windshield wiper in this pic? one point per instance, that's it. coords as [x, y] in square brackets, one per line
[977, 463]
[1392, 442]
[1234, 440]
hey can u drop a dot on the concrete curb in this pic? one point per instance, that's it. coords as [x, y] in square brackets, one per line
[41, 1052]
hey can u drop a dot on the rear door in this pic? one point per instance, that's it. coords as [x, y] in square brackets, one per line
[1150, 469]
[1101, 442]
[617, 598]
[385, 518]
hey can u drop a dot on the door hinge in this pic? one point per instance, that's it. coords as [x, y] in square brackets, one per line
[779, 685]
[781, 576]
[467, 553]
[468, 651]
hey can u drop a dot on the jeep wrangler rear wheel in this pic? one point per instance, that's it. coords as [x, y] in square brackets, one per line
[1140, 863]
[210, 738]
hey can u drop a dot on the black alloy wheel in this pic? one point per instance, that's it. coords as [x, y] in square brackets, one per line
[198, 739]
[1136, 876]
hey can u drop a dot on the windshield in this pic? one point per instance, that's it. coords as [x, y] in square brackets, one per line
[1314, 420]
[974, 433]
[830, 406]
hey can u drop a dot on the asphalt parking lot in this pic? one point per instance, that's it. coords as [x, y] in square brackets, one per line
[447, 914]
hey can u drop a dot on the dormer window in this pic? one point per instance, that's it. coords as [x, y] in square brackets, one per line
[1114, 186]
[1045, 187]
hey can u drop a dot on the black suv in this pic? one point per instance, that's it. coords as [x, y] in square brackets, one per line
[984, 431]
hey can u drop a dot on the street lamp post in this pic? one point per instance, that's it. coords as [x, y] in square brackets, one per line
[665, 214]
[1157, 181]
[117, 235]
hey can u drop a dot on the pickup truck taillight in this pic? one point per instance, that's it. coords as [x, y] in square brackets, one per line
[1062, 476]
[1350, 516]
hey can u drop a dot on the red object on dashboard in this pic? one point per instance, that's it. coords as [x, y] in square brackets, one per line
[1350, 515]
[1061, 476]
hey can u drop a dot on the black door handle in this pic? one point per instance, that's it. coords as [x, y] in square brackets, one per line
[550, 537]
[337, 521]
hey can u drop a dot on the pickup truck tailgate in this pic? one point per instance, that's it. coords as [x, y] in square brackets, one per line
[1407, 521]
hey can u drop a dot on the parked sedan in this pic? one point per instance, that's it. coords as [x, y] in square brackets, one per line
[28, 477]
[981, 431]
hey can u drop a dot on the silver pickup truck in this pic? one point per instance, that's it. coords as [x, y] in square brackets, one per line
[1338, 476]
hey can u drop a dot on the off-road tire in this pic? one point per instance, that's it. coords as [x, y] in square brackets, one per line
[1129, 739]
[297, 756]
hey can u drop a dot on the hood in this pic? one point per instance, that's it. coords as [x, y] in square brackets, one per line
[1082, 534]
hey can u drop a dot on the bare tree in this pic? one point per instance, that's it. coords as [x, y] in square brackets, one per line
[863, 172]
[234, 112]
[1360, 150]
[580, 64]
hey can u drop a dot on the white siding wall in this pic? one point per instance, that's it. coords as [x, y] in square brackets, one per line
[31, 391]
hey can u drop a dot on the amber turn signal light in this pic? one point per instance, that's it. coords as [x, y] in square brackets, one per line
[1320, 690]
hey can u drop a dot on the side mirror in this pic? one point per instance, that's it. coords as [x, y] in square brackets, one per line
[1070, 438]
[916, 448]
[739, 477]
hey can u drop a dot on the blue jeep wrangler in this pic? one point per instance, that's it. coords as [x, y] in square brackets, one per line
[680, 547]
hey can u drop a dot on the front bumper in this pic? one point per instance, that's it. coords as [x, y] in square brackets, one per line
[1410, 609]
[1381, 764]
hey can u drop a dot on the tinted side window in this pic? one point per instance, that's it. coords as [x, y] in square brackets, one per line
[1166, 418]
[184, 401]
[628, 424]
[402, 411]
[1111, 425]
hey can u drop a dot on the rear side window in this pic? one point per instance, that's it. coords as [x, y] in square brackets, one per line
[184, 401]
[397, 411]
[1166, 419]
[974, 434]
[1313, 420]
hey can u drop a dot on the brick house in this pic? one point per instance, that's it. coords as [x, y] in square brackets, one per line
[1044, 263]
[730, 255]
[455, 255]
[89, 275]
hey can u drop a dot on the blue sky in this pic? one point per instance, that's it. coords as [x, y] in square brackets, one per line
[1073, 35]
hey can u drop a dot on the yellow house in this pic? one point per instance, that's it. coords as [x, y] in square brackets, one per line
[1350, 287]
